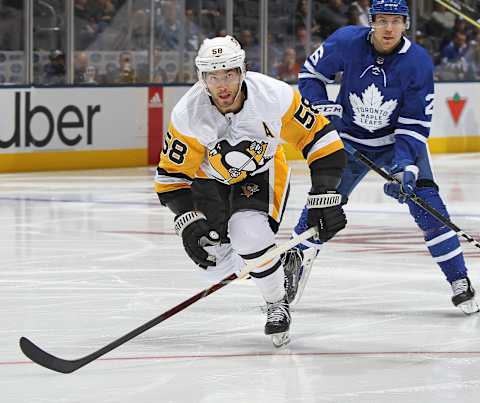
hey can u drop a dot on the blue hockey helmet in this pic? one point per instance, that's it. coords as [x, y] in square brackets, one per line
[396, 7]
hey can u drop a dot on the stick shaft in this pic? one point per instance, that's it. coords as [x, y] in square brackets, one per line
[47, 360]
[413, 197]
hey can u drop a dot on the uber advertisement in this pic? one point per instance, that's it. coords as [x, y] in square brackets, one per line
[65, 128]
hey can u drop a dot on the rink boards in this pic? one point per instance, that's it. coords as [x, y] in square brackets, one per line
[105, 127]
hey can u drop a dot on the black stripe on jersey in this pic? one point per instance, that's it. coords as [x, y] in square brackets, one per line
[266, 273]
[254, 255]
[318, 135]
[161, 171]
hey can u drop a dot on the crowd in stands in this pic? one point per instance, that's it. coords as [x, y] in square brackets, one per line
[124, 26]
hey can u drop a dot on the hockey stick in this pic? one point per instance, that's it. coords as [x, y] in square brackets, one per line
[413, 197]
[41, 357]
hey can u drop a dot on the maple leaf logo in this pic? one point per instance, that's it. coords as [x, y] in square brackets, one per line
[370, 112]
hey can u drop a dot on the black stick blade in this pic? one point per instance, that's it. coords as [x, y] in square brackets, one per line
[41, 357]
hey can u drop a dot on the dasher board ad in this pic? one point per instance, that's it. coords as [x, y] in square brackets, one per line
[80, 119]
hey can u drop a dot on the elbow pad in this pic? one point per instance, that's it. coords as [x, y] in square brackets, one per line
[326, 172]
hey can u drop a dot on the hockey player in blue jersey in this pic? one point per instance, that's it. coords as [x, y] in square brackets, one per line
[384, 110]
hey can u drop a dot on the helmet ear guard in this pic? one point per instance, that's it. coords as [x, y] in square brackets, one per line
[393, 7]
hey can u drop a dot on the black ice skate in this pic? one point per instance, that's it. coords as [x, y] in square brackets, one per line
[297, 265]
[292, 266]
[278, 322]
[464, 296]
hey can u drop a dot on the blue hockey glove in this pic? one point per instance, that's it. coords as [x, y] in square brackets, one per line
[407, 176]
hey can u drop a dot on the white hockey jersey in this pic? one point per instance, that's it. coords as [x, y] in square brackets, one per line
[201, 142]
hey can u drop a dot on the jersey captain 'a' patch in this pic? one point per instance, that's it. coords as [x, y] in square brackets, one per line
[369, 111]
[267, 130]
[234, 163]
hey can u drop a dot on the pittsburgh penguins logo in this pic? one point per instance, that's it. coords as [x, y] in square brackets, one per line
[235, 163]
[249, 189]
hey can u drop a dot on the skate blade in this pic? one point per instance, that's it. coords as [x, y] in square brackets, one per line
[307, 268]
[280, 339]
[469, 307]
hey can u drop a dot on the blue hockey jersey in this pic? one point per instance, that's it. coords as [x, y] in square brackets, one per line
[384, 97]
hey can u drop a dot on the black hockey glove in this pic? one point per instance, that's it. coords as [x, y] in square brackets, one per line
[196, 234]
[326, 213]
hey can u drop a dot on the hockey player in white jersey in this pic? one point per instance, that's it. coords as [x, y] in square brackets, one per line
[386, 94]
[224, 175]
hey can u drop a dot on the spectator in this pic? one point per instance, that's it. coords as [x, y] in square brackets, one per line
[332, 16]
[126, 72]
[444, 18]
[111, 73]
[10, 19]
[168, 27]
[159, 74]
[462, 26]
[80, 66]
[288, 69]
[103, 11]
[54, 71]
[362, 7]
[301, 13]
[456, 49]
[441, 25]
[301, 43]
[90, 76]
[453, 65]
[140, 31]
[353, 16]
[473, 60]
[85, 25]
[193, 35]
[211, 17]
[252, 50]
[428, 43]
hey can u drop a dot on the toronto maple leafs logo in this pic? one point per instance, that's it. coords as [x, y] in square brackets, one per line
[370, 112]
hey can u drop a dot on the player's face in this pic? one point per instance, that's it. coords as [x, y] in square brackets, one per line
[388, 30]
[223, 85]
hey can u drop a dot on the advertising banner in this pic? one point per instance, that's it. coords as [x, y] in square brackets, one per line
[64, 128]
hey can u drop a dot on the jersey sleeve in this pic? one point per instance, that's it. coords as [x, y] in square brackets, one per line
[310, 133]
[320, 68]
[415, 117]
[180, 161]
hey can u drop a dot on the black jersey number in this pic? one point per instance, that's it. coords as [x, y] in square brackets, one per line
[175, 149]
[304, 115]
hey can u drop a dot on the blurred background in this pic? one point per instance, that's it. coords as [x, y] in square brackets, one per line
[88, 42]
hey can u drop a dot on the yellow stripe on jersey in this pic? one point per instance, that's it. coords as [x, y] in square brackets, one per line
[280, 178]
[324, 151]
[164, 187]
[180, 160]
[300, 127]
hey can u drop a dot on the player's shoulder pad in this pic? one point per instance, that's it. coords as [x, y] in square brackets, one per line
[190, 110]
[271, 97]
[416, 60]
[349, 35]
[421, 56]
